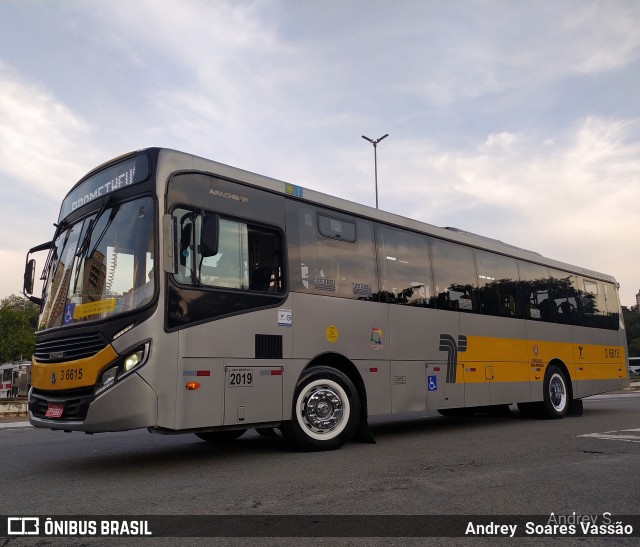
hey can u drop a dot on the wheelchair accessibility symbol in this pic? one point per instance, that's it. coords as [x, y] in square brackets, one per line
[68, 313]
[432, 383]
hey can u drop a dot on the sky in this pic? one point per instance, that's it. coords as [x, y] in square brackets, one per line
[517, 120]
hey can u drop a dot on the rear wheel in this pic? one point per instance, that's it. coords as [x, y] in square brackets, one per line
[221, 436]
[326, 410]
[556, 393]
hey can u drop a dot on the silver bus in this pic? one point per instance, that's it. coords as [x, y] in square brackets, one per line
[184, 295]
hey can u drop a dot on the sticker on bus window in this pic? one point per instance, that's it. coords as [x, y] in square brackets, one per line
[362, 289]
[324, 284]
[93, 308]
[68, 314]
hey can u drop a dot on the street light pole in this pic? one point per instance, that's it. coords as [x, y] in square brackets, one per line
[375, 158]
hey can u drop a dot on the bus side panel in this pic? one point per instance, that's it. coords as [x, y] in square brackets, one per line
[252, 391]
[496, 371]
[415, 346]
[599, 361]
[210, 352]
[357, 330]
[545, 342]
[204, 406]
[376, 375]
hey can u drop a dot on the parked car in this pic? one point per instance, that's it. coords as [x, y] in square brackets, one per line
[634, 366]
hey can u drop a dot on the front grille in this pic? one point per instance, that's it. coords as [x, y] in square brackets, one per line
[75, 409]
[61, 350]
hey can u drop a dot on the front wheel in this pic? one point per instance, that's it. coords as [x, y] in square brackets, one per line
[556, 393]
[326, 410]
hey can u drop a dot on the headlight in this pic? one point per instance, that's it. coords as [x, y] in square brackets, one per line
[123, 367]
[133, 360]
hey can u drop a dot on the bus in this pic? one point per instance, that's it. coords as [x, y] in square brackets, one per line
[15, 379]
[182, 295]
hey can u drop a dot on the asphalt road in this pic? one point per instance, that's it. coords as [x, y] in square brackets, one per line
[422, 464]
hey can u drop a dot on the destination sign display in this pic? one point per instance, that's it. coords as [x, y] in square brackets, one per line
[116, 177]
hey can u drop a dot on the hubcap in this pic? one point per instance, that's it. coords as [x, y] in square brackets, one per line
[322, 409]
[557, 393]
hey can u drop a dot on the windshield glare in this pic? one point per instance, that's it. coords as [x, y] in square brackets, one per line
[101, 267]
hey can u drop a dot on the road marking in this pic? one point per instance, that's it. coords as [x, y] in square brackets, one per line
[621, 435]
[609, 396]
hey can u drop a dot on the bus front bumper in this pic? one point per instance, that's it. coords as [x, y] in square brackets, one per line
[130, 404]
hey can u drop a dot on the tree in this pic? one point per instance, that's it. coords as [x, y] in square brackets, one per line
[632, 325]
[18, 321]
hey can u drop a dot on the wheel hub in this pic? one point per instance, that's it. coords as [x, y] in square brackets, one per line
[323, 409]
[557, 393]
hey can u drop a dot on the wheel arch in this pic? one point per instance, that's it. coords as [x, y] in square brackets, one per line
[563, 368]
[346, 366]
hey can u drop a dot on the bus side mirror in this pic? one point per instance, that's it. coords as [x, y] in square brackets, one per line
[29, 276]
[209, 235]
[29, 280]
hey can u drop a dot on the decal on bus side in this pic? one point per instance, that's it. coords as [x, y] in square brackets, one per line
[448, 344]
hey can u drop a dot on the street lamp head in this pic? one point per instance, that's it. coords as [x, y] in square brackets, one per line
[375, 141]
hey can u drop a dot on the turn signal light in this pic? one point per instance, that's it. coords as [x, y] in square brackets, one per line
[192, 385]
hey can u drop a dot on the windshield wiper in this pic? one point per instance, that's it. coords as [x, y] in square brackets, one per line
[112, 215]
[92, 224]
[52, 256]
[82, 251]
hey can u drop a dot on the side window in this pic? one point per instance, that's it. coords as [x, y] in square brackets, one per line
[535, 286]
[330, 253]
[454, 276]
[184, 229]
[592, 303]
[613, 307]
[498, 285]
[249, 257]
[230, 266]
[565, 298]
[403, 263]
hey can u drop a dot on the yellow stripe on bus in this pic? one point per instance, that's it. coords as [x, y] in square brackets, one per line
[488, 359]
[71, 374]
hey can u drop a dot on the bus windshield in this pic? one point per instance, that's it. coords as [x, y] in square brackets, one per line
[101, 266]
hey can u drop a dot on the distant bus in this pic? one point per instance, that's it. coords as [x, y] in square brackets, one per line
[15, 379]
[184, 295]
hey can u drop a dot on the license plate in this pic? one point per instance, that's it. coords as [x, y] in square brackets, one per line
[54, 410]
[240, 377]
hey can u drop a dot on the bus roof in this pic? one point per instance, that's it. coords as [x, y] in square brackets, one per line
[170, 161]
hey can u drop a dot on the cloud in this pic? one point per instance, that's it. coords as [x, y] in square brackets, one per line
[39, 137]
[570, 195]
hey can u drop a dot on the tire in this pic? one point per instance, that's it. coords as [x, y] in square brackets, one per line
[325, 413]
[556, 394]
[221, 436]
